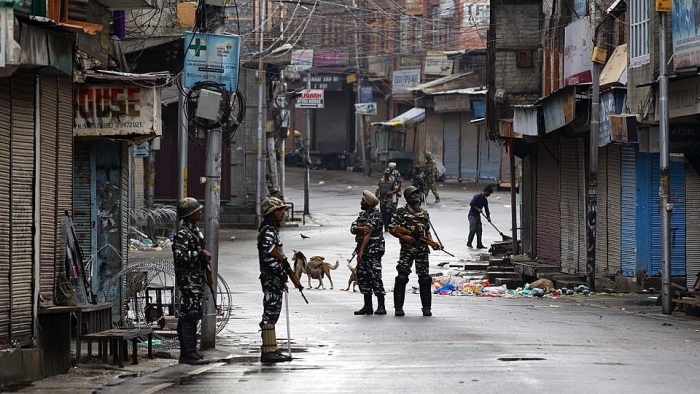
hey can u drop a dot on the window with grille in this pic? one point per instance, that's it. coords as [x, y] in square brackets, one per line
[639, 32]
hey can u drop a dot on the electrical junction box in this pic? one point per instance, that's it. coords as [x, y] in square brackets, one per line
[208, 105]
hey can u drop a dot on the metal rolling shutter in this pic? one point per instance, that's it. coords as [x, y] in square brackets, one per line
[527, 189]
[22, 174]
[82, 196]
[49, 229]
[5, 294]
[601, 238]
[547, 205]
[469, 149]
[331, 128]
[628, 211]
[572, 208]
[614, 209]
[64, 160]
[692, 223]
[451, 144]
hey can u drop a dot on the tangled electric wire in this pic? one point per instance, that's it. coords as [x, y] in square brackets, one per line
[231, 109]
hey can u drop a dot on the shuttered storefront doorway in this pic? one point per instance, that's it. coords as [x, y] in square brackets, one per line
[628, 211]
[452, 145]
[5, 294]
[547, 203]
[613, 216]
[573, 207]
[692, 225]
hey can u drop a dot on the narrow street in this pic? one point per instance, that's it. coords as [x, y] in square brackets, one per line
[490, 344]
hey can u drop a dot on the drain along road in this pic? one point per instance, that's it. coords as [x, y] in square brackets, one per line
[470, 343]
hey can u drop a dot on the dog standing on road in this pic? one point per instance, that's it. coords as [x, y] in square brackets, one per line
[353, 278]
[314, 268]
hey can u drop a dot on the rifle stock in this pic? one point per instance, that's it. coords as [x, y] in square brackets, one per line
[290, 272]
[208, 271]
[426, 240]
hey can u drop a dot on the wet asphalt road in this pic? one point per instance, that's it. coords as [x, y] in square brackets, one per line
[470, 343]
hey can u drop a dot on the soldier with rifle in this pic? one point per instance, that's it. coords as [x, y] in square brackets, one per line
[386, 189]
[275, 271]
[415, 220]
[190, 260]
[370, 249]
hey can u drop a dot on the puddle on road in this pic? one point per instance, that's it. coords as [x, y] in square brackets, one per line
[521, 359]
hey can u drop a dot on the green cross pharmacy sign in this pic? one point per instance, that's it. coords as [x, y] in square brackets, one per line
[212, 57]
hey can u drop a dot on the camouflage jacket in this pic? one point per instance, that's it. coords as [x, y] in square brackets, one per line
[268, 239]
[416, 221]
[188, 260]
[430, 171]
[371, 218]
[385, 186]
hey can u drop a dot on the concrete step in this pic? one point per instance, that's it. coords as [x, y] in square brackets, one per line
[503, 275]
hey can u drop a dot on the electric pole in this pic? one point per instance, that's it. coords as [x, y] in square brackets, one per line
[665, 173]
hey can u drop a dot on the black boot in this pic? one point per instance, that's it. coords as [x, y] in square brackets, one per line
[426, 294]
[188, 343]
[269, 352]
[470, 239]
[479, 245]
[399, 294]
[381, 310]
[367, 309]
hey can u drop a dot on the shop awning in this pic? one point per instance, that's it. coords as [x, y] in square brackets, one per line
[413, 115]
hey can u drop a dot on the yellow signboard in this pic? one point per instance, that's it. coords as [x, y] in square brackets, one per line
[663, 5]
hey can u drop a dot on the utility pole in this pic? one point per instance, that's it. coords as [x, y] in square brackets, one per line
[665, 173]
[592, 208]
[307, 156]
[261, 118]
[359, 129]
[182, 143]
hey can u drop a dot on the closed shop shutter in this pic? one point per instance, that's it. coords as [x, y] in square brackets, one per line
[692, 225]
[333, 124]
[601, 238]
[572, 208]
[22, 204]
[49, 229]
[649, 239]
[614, 208]
[64, 159]
[547, 205]
[433, 134]
[452, 145]
[527, 203]
[469, 149]
[490, 160]
[628, 210]
[82, 196]
[5, 294]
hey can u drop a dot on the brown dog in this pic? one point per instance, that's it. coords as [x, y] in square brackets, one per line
[353, 278]
[314, 268]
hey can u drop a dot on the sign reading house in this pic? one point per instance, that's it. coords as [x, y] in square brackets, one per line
[116, 110]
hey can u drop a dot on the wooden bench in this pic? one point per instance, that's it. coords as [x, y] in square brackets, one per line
[91, 319]
[116, 340]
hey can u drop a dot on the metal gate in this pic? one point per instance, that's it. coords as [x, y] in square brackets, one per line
[332, 124]
[613, 215]
[469, 152]
[572, 207]
[628, 211]
[692, 225]
[547, 203]
[5, 261]
[601, 239]
[451, 144]
[22, 174]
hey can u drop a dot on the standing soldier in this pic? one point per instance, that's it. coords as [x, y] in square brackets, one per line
[419, 182]
[398, 181]
[385, 192]
[273, 276]
[370, 249]
[431, 176]
[409, 224]
[190, 260]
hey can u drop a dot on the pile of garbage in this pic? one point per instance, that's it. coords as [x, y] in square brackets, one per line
[541, 288]
[141, 241]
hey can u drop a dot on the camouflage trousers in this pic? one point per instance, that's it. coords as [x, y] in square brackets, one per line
[431, 186]
[190, 299]
[272, 299]
[369, 274]
[410, 254]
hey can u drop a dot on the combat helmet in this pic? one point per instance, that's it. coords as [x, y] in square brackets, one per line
[271, 205]
[428, 155]
[187, 206]
[408, 191]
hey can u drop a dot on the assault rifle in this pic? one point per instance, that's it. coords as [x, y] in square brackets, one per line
[208, 271]
[290, 272]
[417, 237]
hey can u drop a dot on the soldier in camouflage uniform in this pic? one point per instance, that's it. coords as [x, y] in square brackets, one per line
[398, 181]
[431, 177]
[416, 220]
[273, 276]
[419, 182]
[190, 260]
[370, 249]
[385, 192]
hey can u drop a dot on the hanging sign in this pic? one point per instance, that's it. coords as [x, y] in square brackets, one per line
[310, 98]
[212, 57]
